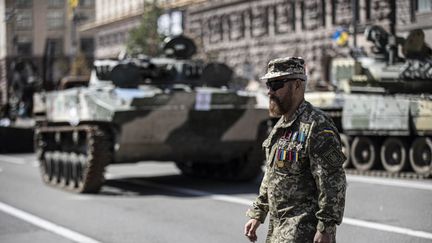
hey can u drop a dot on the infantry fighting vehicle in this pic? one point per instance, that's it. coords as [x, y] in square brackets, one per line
[384, 107]
[168, 108]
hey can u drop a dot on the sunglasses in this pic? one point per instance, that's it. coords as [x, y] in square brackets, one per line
[275, 85]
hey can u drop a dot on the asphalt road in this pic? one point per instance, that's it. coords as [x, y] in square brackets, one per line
[151, 202]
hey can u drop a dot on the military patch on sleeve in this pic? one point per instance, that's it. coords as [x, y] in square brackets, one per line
[327, 148]
[334, 156]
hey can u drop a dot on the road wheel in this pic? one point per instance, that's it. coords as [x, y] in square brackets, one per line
[394, 155]
[420, 155]
[64, 163]
[73, 182]
[44, 157]
[363, 151]
[345, 149]
[57, 168]
[46, 166]
[82, 161]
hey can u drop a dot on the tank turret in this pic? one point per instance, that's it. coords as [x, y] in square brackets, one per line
[375, 73]
[173, 69]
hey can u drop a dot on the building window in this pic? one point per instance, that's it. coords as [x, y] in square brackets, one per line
[215, 27]
[302, 12]
[24, 19]
[87, 46]
[57, 45]
[368, 9]
[293, 14]
[24, 48]
[424, 5]
[323, 13]
[55, 19]
[284, 18]
[55, 3]
[23, 3]
[333, 11]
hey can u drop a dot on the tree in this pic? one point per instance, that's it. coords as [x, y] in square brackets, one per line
[145, 39]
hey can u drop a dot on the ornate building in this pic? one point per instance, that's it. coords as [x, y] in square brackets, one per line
[26, 26]
[246, 34]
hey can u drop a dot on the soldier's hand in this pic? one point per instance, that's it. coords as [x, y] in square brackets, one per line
[322, 237]
[250, 229]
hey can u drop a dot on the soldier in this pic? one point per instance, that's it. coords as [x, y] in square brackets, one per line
[303, 188]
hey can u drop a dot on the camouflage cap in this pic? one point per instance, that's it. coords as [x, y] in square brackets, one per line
[291, 67]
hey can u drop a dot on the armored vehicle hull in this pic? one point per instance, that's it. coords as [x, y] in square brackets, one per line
[207, 131]
[393, 129]
[390, 132]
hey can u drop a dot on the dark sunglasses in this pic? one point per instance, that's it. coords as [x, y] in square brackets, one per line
[275, 85]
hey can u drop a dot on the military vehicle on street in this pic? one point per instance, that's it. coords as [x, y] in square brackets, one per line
[384, 107]
[169, 108]
[20, 80]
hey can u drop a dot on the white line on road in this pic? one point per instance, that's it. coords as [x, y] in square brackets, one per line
[388, 228]
[390, 182]
[12, 160]
[242, 201]
[67, 233]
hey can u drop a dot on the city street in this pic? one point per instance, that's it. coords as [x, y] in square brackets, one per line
[151, 202]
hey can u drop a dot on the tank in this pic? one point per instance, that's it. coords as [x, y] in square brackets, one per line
[385, 105]
[170, 108]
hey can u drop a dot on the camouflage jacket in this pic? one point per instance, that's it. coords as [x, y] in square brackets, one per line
[304, 184]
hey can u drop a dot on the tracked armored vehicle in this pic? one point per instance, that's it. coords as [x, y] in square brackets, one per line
[384, 108]
[165, 109]
[16, 124]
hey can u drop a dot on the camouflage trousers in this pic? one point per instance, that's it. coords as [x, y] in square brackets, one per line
[297, 229]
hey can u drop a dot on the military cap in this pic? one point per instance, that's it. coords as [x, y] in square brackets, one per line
[290, 67]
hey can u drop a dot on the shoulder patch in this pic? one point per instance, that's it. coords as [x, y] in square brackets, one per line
[334, 157]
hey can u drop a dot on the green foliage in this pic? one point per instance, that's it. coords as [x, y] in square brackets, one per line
[145, 39]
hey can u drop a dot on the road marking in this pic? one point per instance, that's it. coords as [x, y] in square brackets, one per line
[243, 201]
[388, 228]
[390, 182]
[1, 170]
[12, 160]
[67, 233]
[19, 161]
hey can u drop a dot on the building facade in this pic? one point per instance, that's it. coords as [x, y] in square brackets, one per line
[27, 25]
[114, 20]
[246, 34]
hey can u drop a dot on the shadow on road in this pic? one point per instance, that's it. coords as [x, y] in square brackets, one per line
[176, 186]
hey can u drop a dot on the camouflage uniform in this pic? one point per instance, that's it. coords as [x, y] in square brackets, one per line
[303, 188]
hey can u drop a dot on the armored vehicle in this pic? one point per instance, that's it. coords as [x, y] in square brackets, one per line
[386, 107]
[16, 124]
[169, 108]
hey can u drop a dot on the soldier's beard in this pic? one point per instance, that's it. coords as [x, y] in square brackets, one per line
[276, 108]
